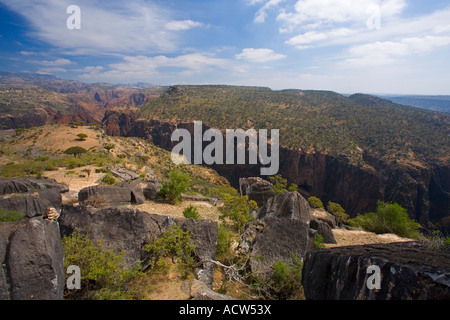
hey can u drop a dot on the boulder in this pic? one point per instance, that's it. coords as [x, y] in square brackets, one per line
[274, 239]
[6, 230]
[106, 195]
[34, 260]
[408, 271]
[256, 189]
[286, 205]
[204, 238]
[322, 215]
[29, 205]
[324, 230]
[198, 290]
[120, 172]
[25, 185]
[130, 230]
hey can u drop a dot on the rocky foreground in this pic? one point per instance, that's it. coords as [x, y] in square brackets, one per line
[32, 256]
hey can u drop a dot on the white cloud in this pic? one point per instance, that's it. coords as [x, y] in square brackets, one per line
[142, 67]
[106, 28]
[54, 63]
[303, 40]
[50, 70]
[259, 55]
[182, 25]
[261, 15]
[337, 11]
[387, 52]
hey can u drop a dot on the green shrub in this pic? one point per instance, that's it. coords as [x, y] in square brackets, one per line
[318, 242]
[389, 218]
[109, 179]
[293, 187]
[103, 274]
[174, 242]
[315, 202]
[285, 282]
[224, 242]
[178, 183]
[10, 215]
[279, 183]
[237, 210]
[191, 212]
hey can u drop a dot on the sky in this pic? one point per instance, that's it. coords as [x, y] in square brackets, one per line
[347, 46]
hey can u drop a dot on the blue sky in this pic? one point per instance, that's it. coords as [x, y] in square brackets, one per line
[348, 46]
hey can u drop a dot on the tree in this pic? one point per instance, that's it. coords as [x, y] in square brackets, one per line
[178, 183]
[279, 183]
[82, 136]
[237, 209]
[75, 151]
[338, 212]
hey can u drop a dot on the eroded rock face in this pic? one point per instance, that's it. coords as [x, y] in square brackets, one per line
[286, 205]
[274, 239]
[257, 189]
[407, 272]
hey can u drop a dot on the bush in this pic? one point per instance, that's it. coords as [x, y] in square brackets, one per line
[279, 183]
[178, 183]
[315, 202]
[103, 274]
[191, 212]
[109, 179]
[285, 282]
[318, 242]
[174, 242]
[389, 218]
[224, 242]
[237, 210]
[338, 212]
[10, 215]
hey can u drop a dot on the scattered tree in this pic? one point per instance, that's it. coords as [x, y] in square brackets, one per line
[75, 151]
[82, 136]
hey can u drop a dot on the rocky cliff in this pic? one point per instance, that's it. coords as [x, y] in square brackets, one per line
[407, 271]
[423, 190]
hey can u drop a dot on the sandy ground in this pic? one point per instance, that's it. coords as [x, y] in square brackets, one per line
[358, 237]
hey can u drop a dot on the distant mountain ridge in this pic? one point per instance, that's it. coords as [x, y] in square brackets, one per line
[55, 100]
[435, 103]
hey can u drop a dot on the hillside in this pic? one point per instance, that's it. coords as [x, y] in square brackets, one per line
[319, 120]
[351, 150]
[28, 100]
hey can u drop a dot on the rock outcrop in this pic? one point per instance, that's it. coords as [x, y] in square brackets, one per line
[130, 230]
[407, 272]
[257, 189]
[32, 259]
[281, 232]
[31, 197]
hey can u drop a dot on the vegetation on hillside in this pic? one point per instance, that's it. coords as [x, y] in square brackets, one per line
[322, 120]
